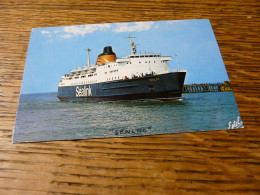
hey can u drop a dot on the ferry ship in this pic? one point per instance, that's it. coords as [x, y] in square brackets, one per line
[136, 76]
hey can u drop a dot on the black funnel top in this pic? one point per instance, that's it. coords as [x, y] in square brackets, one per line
[107, 51]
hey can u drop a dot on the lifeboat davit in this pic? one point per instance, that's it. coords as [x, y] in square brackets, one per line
[107, 56]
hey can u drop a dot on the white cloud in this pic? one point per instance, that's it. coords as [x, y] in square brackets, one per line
[137, 26]
[69, 32]
[174, 21]
[85, 29]
[45, 32]
[66, 36]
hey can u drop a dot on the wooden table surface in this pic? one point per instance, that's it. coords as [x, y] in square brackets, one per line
[202, 162]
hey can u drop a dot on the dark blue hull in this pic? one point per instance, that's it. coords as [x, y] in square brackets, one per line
[165, 86]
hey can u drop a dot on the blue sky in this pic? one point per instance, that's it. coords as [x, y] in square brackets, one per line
[54, 51]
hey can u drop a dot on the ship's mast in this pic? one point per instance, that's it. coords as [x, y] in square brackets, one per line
[88, 50]
[132, 45]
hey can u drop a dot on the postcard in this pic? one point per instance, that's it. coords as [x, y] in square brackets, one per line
[124, 79]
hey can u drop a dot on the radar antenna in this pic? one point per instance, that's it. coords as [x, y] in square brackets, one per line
[88, 50]
[132, 45]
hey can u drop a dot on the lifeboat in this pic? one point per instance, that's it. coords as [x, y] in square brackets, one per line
[107, 56]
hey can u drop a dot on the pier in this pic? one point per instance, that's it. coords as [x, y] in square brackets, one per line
[207, 87]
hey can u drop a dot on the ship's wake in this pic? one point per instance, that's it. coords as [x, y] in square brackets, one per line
[159, 100]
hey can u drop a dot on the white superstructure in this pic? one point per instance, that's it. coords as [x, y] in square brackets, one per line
[131, 66]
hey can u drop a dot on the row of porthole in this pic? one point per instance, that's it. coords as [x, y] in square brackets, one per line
[89, 75]
[108, 66]
[145, 62]
[81, 83]
[113, 78]
[113, 71]
[149, 62]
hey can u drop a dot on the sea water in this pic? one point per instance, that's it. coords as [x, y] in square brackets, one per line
[42, 117]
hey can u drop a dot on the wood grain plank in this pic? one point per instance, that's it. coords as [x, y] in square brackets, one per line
[201, 162]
